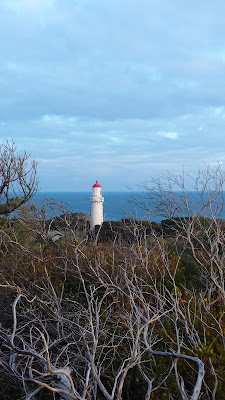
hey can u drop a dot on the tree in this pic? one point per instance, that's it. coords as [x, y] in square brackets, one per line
[87, 317]
[116, 320]
[195, 217]
[18, 181]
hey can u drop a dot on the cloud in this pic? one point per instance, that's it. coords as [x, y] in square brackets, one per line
[121, 152]
[122, 89]
[19, 6]
[169, 135]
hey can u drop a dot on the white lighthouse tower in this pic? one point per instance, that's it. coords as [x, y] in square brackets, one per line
[96, 205]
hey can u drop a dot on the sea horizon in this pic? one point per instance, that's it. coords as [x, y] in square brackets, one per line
[116, 206]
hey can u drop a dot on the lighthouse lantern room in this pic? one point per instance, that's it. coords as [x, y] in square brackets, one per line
[96, 205]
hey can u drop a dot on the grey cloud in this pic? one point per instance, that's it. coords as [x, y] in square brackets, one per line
[84, 54]
[127, 85]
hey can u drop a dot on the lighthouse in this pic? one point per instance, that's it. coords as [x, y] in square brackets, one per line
[96, 205]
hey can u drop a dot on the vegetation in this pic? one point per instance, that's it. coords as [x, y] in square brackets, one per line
[18, 181]
[133, 310]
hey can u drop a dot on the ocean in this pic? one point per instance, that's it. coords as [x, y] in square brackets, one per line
[118, 205]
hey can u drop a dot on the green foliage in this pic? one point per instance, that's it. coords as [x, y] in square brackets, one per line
[11, 204]
[39, 267]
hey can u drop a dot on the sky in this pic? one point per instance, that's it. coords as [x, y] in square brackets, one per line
[116, 90]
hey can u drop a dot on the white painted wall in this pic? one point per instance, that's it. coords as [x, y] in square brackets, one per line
[96, 207]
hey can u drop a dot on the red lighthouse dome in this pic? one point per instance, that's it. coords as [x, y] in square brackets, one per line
[97, 184]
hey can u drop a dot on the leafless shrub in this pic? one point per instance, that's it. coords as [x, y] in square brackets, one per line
[18, 181]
